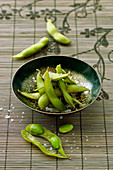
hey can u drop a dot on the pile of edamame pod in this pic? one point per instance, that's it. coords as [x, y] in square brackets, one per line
[52, 30]
[56, 90]
[66, 87]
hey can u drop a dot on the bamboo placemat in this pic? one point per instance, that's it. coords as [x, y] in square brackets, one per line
[89, 25]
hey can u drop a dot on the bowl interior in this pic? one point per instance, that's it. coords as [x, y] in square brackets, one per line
[25, 78]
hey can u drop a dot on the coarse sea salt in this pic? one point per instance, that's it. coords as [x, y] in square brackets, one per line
[7, 116]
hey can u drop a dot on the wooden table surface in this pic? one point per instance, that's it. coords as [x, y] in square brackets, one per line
[89, 25]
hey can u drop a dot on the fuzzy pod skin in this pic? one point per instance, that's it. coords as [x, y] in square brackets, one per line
[32, 49]
[52, 30]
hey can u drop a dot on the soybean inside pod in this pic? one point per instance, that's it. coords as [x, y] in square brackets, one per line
[54, 140]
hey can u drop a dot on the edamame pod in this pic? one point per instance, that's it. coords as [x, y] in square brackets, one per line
[28, 137]
[40, 83]
[51, 137]
[66, 95]
[32, 49]
[57, 103]
[56, 76]
[34, 96]
[52, 30]
[44, 100]
[42, 89]
[71, 88]
[67, 79]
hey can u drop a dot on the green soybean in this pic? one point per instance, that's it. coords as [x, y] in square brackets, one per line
[35, 129]
[55, 142]
[65, 128]
[52, 30]
[34, 96]
[57, 103]
[28, 137]
[32, 49]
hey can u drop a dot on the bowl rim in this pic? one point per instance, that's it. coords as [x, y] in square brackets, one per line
[55, 113]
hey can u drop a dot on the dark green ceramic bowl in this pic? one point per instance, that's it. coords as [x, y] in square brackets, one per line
[25, 79]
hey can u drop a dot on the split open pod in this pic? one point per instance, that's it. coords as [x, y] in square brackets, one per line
[25, 79]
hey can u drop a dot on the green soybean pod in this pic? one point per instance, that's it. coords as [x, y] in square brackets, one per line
[28, 137]
[32, 49]
[65, 128]
[43, 101]
[57, 103]
[66, 79]
[40, 82]
[71, 88]
[52, 30]
[56, 76]
[66, 95]
[34, 96]
[49, 136]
